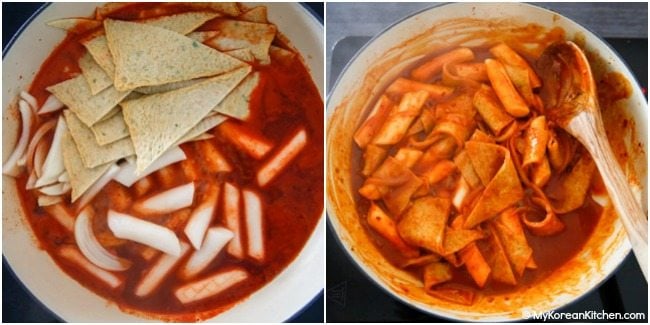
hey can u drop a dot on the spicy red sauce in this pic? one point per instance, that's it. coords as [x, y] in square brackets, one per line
[286, 100]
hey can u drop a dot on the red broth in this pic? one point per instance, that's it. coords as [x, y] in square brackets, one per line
[286, 100]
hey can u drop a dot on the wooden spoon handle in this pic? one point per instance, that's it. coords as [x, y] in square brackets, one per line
[590, 131]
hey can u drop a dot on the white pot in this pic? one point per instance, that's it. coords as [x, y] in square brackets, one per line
[377, 64]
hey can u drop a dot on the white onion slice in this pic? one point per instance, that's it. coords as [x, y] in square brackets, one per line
[461, 192]
[144, 232]
[11, 167]
[52, 104]
[90, 193]
[254, 224]
[35, 142]
[53, 166]
[282, 158]
[55, 189]
[168, 201]
[127, 175]
[46, 200]
[601, 199]
[73, 255]
[200, 219]
[31, 180]
[39, 158]
[152, 279]
[91, 248]
[210, 286]
[61, 214]
[215, 240]
[33, 104]
[231, 212]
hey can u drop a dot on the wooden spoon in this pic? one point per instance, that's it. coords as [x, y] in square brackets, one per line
[570, 94]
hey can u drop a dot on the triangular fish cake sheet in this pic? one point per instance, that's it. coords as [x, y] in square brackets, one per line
[81, 177]
[242, 54]
[236, 104]
[91, 152]
[76, 94]
[255, 15]
[206, 124]
[235, 34]
[147, 55]
[148, 90]
[96, 77]
[181, 23]
[111, 129]
[157, 122]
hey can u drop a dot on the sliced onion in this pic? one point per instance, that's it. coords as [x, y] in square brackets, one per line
[97, 186]
[210, 286]
[53, 166]
[282, 158]
[144, 232]
[128, 176]
[11, 167]
[35, 141]
[33, 104]
[254, 224]
[231, 215]
[39, 158]
[152, 279]
[168, 201]
[91, 248]
[52, 104]
[215, 240]
[73, 255]
[461, 192]
[601, 199]
[200, 218]
[46, 200]
[55, 189]
[31, 181]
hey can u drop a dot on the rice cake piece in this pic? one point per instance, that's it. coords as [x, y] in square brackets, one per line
[148, 90]
[205, 125]
[111, 129]
[255, 15]
[236, 104]
[235, 34]
[242, 54]
[95, 76]
[76, 94]
[91, 152]
[81, 177]
[157, 122]
[147, 55]
[181, 23]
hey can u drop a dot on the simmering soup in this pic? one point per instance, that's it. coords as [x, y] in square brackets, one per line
[462, 179]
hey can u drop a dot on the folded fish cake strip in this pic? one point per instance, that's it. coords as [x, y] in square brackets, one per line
[110, 129]
[77, 95]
